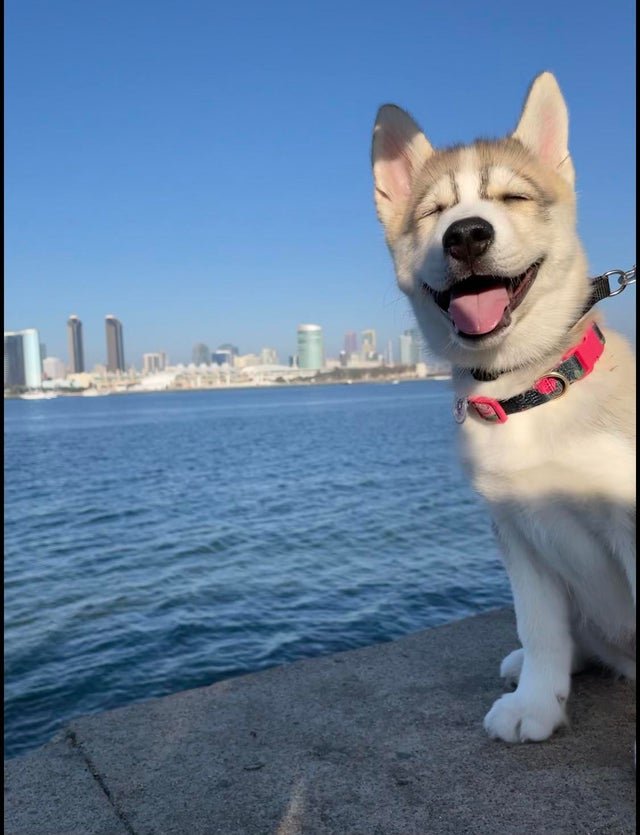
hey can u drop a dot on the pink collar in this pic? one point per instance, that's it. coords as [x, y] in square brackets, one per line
[576, 364]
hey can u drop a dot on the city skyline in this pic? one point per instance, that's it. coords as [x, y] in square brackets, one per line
[79, 336]
[309, 354]
[206, 176]
[30, 373]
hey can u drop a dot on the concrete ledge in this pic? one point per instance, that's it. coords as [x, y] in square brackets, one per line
[386, 740]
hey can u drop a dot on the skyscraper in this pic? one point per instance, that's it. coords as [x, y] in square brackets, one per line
[222, 357]
[76, 348]
[368, 343]
[409, 347]
[32, 360]
[351, 342]
[115, 344]
[227, 346]
[153, 363]
[269, 356]
[201, 355]
[13, 360]
[22, 362]
[310, 347]
[53, 368]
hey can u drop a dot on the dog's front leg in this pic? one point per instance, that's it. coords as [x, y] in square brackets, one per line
[537, 707]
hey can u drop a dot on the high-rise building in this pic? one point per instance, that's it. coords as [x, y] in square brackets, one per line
[269, 356]
[153, 363]
[115, 344]
[368, 343]
[351, 342]
[22, 363]
[53, 368]
[409, 344]
[32, 361]
[13, 359]
[201, 355]
[310, 347]
[223, 356]
[233, 349]
[76, 347]
[22, 359]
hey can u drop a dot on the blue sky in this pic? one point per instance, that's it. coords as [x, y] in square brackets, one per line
[201, 169]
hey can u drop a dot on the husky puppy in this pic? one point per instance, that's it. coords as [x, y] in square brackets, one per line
[484, 243]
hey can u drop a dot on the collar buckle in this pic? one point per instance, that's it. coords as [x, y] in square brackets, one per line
[576, 364]
[489, 409]
[554, 393]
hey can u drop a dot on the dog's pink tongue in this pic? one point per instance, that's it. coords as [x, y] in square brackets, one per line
[478, 313]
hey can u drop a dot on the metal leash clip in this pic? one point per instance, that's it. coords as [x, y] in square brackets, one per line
[624, 278]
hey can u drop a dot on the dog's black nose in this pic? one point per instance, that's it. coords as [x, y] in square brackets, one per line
[468, 238]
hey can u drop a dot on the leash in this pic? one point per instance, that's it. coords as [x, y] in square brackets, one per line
[601, 286]
[600, 289]
[575, 364]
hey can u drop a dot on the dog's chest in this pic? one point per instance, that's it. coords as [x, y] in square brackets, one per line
[566, 498]
[532, 456]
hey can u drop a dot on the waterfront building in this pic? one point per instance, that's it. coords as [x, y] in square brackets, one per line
[223, 356]
[154, 362]
[201, 355]
[409, 344]
[13, 359]
[351, 342]
[389, 353]
[368, 344]
[31, 362]
[115, 344]
[53, 368]
[310, 347]
[227, 346]
[75, 344]
[269, 356]
[246, 361]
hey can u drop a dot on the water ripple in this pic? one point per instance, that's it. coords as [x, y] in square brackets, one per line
[159, 542]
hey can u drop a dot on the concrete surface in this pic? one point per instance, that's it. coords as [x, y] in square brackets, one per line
[386, 740]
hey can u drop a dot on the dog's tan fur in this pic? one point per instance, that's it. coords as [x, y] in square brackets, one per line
[559, 479]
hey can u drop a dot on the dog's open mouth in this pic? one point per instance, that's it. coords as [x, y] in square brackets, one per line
[482, 304]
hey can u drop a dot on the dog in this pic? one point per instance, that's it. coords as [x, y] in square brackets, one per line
[484, 243]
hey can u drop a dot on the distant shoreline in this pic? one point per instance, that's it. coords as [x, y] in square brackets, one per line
[391, 380]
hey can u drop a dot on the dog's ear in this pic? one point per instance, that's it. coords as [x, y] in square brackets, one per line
[544, 125]
[398, 152]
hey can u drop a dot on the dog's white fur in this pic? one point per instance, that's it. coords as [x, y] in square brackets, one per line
[559, 479]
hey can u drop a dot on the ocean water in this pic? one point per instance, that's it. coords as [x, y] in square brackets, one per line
[158, 542]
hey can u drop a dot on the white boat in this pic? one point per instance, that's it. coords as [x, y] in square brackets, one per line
[38, 395]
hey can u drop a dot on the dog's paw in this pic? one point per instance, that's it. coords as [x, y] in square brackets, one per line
[511, 667]
[515, 717]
